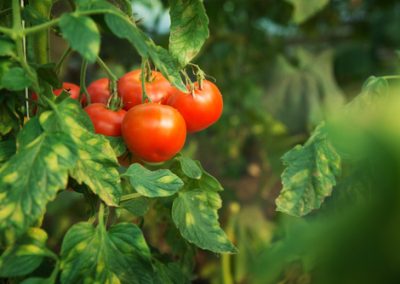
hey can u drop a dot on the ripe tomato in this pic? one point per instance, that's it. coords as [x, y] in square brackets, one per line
[105, 121]
[71, 88]
[200, 109]
[130, 88]
[98, 91]
[154, 132]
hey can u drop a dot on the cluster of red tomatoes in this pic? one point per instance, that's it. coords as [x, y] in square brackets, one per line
[153, 131]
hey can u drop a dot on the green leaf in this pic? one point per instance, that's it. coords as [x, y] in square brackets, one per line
[310, 175]
[7, 149]
[305, 9]
[7, 47]
[31, 178]
[208, 182]
[157, 183]
[15, 79]
[169, 273]
[195, 215]
[94, 255]
[25, 255]
[137, 206]
[118, 145]
[37, 280]
[97, 165]
[190, 168]
[47, 72]
[122, 27]
[189, 29]
[5, 65]
[87, 40]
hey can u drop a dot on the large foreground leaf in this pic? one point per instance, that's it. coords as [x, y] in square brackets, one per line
[195, 215]
[32, 177]
[189, 29]
[94, 255]
[310, 175]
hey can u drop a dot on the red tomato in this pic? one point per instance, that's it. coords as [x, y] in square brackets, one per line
[73, 89]
[200, 109]
[154, 132]
[105, 121]
[98, 91]
[130, 88]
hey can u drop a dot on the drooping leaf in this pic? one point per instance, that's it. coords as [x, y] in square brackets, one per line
[97, 165]
[189, 29]
[87, 40]
[94, 255]
[310, 175]
[190, 168]
[149, 183]
[31, 178]
[305, 9]
[124, 28]
[25, 255]
[195, 214]
[15, 79]
[137, 206]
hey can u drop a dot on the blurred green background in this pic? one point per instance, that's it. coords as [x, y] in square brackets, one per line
[282, 67]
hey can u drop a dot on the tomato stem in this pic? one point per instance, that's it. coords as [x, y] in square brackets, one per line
[114, 102]
[130, 196]
[61, 61]
[100, 216]
[143, 75]
[83, 83]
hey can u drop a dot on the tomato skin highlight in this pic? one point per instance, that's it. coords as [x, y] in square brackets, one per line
[200, 109]
[105, 121]
[130, 88]
[99, 91]
[154, 132]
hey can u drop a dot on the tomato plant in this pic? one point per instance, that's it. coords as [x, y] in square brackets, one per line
[64, 152]
[105, 121]
[154, 132]
[201, 107]
[130, 88]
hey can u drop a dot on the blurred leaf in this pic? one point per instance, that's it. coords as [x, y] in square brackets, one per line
[305, 9]
[94, 255]
[301, 97]
[37, 280]
[190, 168]
[169, 273]
[97, 165]
[7, 47]
[7, 149]
[47, 72]
[122, 27]
[5, 65]
[118, 145]
[25, 255]
[15, 79]
[32, 15]
[157, 183]
[87, 40]
[31, 178]
[137, 206]
[195, 214]
[189, 29]
[310, 175]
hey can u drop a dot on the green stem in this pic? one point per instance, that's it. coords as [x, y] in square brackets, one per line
[143, 76]
[114, 101]
[60, 62]
[103, 65]
[41, 39]
[7, 31]
[130, 196]
[101, 215]
[83, 83]
[391, 77]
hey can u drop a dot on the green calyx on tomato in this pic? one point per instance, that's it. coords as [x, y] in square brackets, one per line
[130, 88]
[154, 132]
